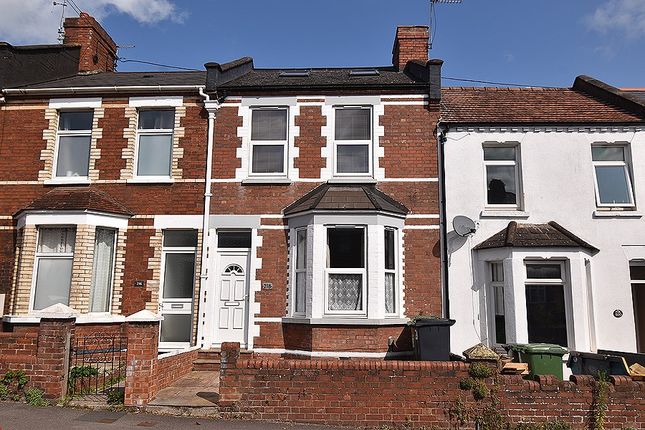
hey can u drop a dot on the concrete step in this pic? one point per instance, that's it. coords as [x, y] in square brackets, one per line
[206, 364]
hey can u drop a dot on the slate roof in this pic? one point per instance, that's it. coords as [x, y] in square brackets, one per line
[550, 235]
[639, 93]
[472, 105]
[120, 79]
[77, 199]
[346, 197]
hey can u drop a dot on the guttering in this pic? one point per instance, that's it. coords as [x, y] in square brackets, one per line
[108, 89]
[211, 106]
[442, 129]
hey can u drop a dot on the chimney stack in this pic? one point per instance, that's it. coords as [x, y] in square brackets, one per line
[98, 50]
[411, 43]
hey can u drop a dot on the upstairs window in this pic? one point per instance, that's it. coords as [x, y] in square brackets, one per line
[611, 171]
[154, 152]
[73, 148]
[353, 140]
[269, 141]
[54, 257]
[346, 270]
[502, 176]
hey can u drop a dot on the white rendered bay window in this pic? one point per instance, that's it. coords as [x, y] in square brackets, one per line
[53, 267]
[391, 280]
[612, 176]
[269, 131]
[352, 141]
[300, 273]
[346, 270]
[154, 143]
[74, 136]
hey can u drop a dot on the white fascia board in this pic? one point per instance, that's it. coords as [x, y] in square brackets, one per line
[75, 103]
[167, 101]
[73, 218]
[178, 221]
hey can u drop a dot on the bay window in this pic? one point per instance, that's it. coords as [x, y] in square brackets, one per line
[300, 299]
[269, 141]
[545, 303]
[390, 271]
[346, 269]
[74, 137]
[612, 175]
[102, 269]
[497, 295]
[53, 266]
[353, 140]
[154, 141]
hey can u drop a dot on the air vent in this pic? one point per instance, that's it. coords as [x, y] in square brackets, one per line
[294, 73]
[364, 72]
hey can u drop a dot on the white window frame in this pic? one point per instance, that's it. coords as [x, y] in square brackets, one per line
[154, 132]
[394, 271]
[518, 177]
[625, 164]
[563, 282]
[369, 143]
[165, 250]
[52, 255]
[284, 143]
[492, 302]
[111, 282]
[296, 271]
[636, 283]
[68, 133]
[348, 271]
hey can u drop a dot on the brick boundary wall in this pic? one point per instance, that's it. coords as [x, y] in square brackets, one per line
[409, 394]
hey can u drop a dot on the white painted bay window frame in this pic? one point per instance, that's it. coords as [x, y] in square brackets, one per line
[300, 290]
[518, 177]
[626, 166]
[284, 143]
[338, 142]
[496, 302]
[394, 272]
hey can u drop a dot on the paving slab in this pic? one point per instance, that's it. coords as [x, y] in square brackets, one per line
[197, 389]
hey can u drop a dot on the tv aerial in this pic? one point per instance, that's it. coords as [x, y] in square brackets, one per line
[433, 18]
[463, 225]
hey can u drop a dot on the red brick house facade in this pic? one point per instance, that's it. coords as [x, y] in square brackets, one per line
[320, 187]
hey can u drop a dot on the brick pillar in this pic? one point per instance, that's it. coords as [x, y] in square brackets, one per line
[52, 359]
[229, 355]
[143, 343]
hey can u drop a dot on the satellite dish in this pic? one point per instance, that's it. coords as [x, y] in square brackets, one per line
[463, 225]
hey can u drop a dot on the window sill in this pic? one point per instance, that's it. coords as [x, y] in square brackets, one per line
[616, 214]
[501, 213]
[353, 180]
[345, 321]
[267, 181]
[60, 181]
[151, 180]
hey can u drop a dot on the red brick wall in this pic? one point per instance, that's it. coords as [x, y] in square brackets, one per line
[225, 159]
[112, 141]
[309, 142]
[422, 272]
[98, 50]
[21, 141]
[7, 247]
[137, 253]
[171, 368]
[273, 253]
[195, 123]
[361, 393]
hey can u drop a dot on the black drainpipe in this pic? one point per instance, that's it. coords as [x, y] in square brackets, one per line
[443, 229]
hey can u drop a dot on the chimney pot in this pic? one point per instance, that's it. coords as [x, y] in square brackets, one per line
[411, 43]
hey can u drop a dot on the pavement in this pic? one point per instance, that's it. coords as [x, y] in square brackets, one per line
[19, 416]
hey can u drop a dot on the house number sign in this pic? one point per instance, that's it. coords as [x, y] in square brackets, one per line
[139, 283]
[267, 286]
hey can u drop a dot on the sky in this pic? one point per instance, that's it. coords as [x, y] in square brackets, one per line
[533, 43]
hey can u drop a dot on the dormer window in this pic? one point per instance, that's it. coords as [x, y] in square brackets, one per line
[269, 131]
[73, 145]
[353, 141]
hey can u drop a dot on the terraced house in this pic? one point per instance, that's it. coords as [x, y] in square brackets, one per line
[293, 211]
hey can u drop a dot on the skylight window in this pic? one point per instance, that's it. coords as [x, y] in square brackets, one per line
[294, 73]
[364, 72]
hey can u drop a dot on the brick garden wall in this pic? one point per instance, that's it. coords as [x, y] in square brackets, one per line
[416, 394]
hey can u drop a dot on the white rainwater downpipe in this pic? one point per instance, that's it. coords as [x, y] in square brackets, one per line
[211, 107]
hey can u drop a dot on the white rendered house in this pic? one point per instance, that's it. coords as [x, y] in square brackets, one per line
[554, 180]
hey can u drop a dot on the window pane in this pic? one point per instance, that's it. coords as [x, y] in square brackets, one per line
[102, 270]
[345, 248]
[156, 119]
[300, 300]
[389, 249]
[154, 155]
[390, 293]
[53, 281]
[546, 316]
[269, 124]
[501, 185]
[499, 154]
[234, 239]
[179, 274]
[612, 184]
[268, 159]
[608, 153]
[637, 272]
[352, 159]
[175, 328]
[497, 272]
[73, 156]
[543, 271]
[180, 238]
[56, 240]
[301, 257]
[75, 120]
[353, 124]
[345, 292]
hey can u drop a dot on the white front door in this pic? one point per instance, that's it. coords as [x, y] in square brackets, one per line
[232, 297]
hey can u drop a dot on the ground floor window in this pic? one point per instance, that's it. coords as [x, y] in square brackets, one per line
[300, 300]
[545, 303]
[54, 258]
[102, 269]
[497, 293]
[346, 269]
[637, 275]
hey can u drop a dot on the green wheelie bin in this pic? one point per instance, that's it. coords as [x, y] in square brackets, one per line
[542, 358]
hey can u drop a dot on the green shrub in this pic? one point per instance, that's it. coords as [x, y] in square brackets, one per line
[4, 392]
[466, 384]
[480, 371]
[16, 377]
[34, 397]
[556, 425]
[115, 396]
[480, 390]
